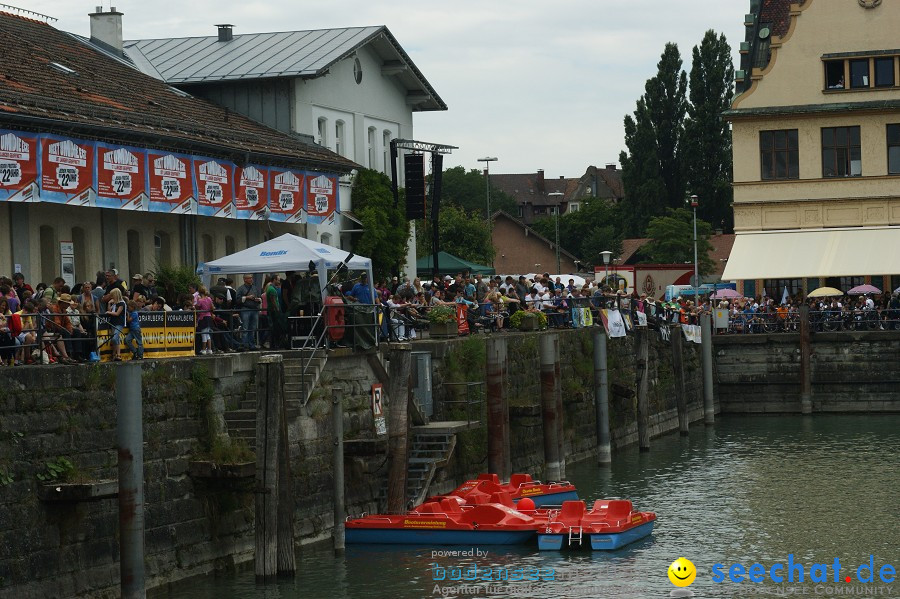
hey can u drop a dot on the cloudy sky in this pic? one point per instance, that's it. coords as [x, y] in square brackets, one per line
[536, 83]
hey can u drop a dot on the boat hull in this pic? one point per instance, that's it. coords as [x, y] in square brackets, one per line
[609, 542]
[550, 542]
[550, 498]
[436, 537]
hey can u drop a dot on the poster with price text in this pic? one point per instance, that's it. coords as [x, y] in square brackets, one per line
[215, 187]
[121, 177]
[251, 193]
[321, 197]
[67, 171]
[18, 166]
[171, 183]
[286, 196]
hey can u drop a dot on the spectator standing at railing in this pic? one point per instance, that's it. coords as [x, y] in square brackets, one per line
[20, 286]
[249, 300]
[52, 292]
[80, 333]
[112, 282]
[481, 289]
[7, 293]
[276, 314]
[116, 319]
[204, 306]
[134, 332]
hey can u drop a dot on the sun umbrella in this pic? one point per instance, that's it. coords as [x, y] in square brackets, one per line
[864, 289]
[726, 294]
[825, 292]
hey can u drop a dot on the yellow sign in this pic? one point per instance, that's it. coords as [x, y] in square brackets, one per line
[164, 335]
[530, 491]
[425, 524]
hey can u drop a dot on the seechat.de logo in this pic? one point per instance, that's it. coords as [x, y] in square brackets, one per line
[793, 571]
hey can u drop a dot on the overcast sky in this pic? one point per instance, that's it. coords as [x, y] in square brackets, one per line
[536, 83]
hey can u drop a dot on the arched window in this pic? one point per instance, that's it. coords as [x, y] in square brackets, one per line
[386, 138]
[80, 247]
[322, 137]
[372, 149]
[208, 248]
[229, 245]
[134, 253]
[325, 238]
[339, 146]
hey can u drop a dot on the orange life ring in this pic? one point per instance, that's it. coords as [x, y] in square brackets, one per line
[334, 317]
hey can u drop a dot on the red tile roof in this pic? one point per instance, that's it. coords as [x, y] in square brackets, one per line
[721, 250]
[107, 98]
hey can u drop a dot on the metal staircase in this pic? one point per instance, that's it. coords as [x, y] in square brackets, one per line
[428, 452]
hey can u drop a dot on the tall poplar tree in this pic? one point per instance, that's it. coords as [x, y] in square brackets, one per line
[707, 136]
[652, 169]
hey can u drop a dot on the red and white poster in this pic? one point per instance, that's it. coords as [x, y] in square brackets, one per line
[171, 183]
[287, 196]
[18, 166]
[321, 198]
[121, 177]
[67, 170]
[251, 195]
[215, 191]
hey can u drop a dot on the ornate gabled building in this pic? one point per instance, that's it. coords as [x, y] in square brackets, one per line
[816, 132]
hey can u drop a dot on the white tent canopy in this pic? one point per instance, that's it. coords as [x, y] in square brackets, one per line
[286, 253]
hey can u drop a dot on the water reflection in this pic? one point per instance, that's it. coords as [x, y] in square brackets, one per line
[749, 490]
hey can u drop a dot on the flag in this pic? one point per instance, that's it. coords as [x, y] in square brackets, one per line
[785, 296]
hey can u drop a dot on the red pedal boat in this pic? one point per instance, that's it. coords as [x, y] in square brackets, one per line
[609, 524]
[519, 486]
[449, 521]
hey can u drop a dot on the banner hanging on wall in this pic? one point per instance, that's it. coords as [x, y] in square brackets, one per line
[251, 196]
[286, 197]
[18, 166]
[121, 177]
[215, 187]
[67, 171]
[321, 198]
[171, 183]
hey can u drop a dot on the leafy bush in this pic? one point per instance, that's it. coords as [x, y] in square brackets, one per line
[441, 314]
[517, 320]
[59, 470]
[174, 280]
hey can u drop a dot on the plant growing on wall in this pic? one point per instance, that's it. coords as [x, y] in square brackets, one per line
[523, 320]
[58, 470]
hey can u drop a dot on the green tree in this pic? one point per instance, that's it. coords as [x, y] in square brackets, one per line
[462, 234]
[586, 232]
[707, 136]
[652, 168]
[672, 240]
[466, 189]
[385, 228]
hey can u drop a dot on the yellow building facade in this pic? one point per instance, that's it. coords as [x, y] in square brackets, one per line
[816, 146]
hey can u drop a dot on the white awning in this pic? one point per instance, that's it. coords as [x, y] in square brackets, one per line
[816, 253]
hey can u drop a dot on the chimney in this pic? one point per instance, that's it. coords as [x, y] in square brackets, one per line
[539, 183]
[106, 28]
[225, 34]
[611, 166]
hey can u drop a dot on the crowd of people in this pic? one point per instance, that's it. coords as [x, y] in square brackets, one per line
[58, 324]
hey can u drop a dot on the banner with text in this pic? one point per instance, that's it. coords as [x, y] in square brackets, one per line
[286, 196]
[164, 335]
[171, 183]
[215, 187]
[321, 198]
[251, 195]
[121, 177]
[67, 171]
[18, 166]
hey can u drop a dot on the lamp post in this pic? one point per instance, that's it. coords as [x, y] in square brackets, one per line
[557, 195]
[487, 160]
[606, 255]
[694, 204]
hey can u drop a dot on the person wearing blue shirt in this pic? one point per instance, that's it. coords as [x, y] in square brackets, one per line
[361, 292]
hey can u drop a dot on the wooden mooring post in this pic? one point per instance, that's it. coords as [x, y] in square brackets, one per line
[549, 382]
[398, 427]
[677, 341]
[499, 459]
[337, 418]
[269, 393]
[642, 375]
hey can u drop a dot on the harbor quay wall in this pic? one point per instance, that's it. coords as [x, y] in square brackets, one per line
[53, 546]
[851, 372]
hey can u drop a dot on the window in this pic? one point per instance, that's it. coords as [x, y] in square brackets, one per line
[574, 207]
[322, 138]
[775, 288]
[841, 154]
[893, 147]
[859, 73]
[779, 154]
[372, 148]
[884, 72]
[834, 74]
[386, 138]
[339, 137]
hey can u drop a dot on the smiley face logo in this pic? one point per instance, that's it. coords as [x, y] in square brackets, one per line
[682, 572]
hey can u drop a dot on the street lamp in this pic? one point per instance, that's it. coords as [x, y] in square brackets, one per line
[694, 204]
[487, 180]
[557, 195]
[606, 255]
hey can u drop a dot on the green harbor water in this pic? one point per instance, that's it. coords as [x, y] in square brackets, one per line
[749, 490]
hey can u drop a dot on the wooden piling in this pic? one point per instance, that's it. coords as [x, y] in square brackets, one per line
[287, 565]
[709, 405]
[642, 375]
[497, 410]
[337, 418]
[560, 410]
[269, 389]
[398, 427]
[601, 397]
[677, 341]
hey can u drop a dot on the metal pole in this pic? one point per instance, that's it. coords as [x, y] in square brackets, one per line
[130, 437]
[642, 349]
[547, 353]
[487, 185]
[558, 270]
[337, 413]
[696, 269]
[601, 396]
[677, 341]
[498, 436]
[805, 366]
[709, 407]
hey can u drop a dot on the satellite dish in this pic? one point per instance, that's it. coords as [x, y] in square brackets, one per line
[764, 33]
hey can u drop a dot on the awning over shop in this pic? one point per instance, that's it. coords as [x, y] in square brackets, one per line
[817, 253]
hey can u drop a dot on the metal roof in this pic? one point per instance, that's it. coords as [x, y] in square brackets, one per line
[269, 55]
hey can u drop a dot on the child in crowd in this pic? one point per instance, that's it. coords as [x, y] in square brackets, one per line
[134, 331]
